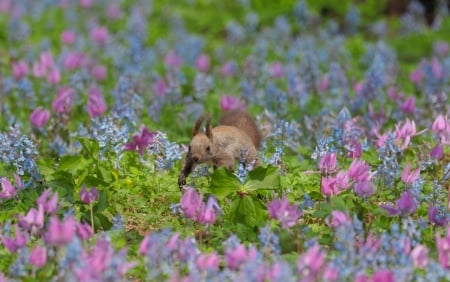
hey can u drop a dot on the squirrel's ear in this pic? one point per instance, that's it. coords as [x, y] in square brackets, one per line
[209, 128]
[197, 125]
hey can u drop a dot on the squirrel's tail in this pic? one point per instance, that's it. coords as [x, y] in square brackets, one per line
[244, 122]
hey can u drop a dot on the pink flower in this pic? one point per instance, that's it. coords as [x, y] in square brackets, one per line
[410, 177]
[38, 256]
[235, 257]
[50, 203]
[60, 233]
[96, 105]
[443, 248]
[231, 103]
[285, 213]
[113, 11]
[405, 205]
[419, 256]
[202, 63]
[383, 275]
[310, 263]
[73, 60]
[63, 100]
[191, 203]
[143, 247]
[99, 72]
[409, 105]
[359, 171]
[13, 244]
[39, 117]
[172, 60]
[364, 189]
[441, 48]
[160, 87]
[437, 69]
[207, 214]
[84, 231]
[99, 34]
[39, 70]
[328, 162]
[229, 68]
[86, 3]
[404, 133]
[90, 196]
[46, 60]
[34, 220]
[8, 191]
[339, 218]
[206, 262]
[68, 37]
[276, 70]
[358, 87]
[416, 76]
[441, 125]
[324, 83]
[20, 69]
[54, 76]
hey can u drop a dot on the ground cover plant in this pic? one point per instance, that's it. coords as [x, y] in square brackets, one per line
[98, 99]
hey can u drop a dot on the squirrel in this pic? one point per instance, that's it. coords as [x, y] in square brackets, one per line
[222, 145]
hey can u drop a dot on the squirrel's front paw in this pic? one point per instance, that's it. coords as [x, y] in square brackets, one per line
[181, 180]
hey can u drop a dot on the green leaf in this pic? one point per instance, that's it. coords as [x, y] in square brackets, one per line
[73, 163]
[64, 183]
[90, 146]
[263, 178]
[243, 211]
[223, 183]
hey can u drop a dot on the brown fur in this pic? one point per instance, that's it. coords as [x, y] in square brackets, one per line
[222, 145]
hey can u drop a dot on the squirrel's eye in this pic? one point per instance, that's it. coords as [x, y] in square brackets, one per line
[208, 149]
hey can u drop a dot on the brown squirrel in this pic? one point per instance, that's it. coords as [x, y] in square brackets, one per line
[223, 144]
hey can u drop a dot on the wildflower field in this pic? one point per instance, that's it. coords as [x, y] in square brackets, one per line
[98, 99]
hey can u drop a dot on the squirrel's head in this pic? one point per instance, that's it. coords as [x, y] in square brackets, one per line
[201, 146]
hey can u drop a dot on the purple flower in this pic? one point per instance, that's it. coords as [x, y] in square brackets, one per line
[39, 70]
[13, 244]
[329, 186]
[364, 189]
[46, 60]
[99, 34]
[39, 117]
[229, 68]
[441, 125]
[90, 196]
[383, 275]
[60, 233]
[443, 248]
[328, 162]
[73, 61]
[235, 257]
[202, 63]
[140, 141]
[63, 100]
[8, 191]
[206, 262]
[436, 68]
[172, 60]
[68, 37]
[143, 247]
[276, 70]
[231, 103]
[33, 220]
[96, 106]
[113, 11]
[416, 76]
[19, 69]
[404, 133]
[404, 205]
[410, 177]
[286, 214]
[38, 256]
[436, 216]
[54, 76]
[409, 105]
[84, 231]
[207, 214]
[160, 87]
[419, 256]
[441, 48]
[50, 204]
[437, 152]
[339, 218]
[359, 171]
[191, 203]
[310, 263]
[99, 72]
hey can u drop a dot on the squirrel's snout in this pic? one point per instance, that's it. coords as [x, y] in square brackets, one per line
[195, 159]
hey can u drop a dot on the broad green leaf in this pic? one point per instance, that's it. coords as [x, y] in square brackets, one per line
[223, 183]
[90, 146]
[64, 183]
[263, 178]
[73, 163]
[243, 211]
